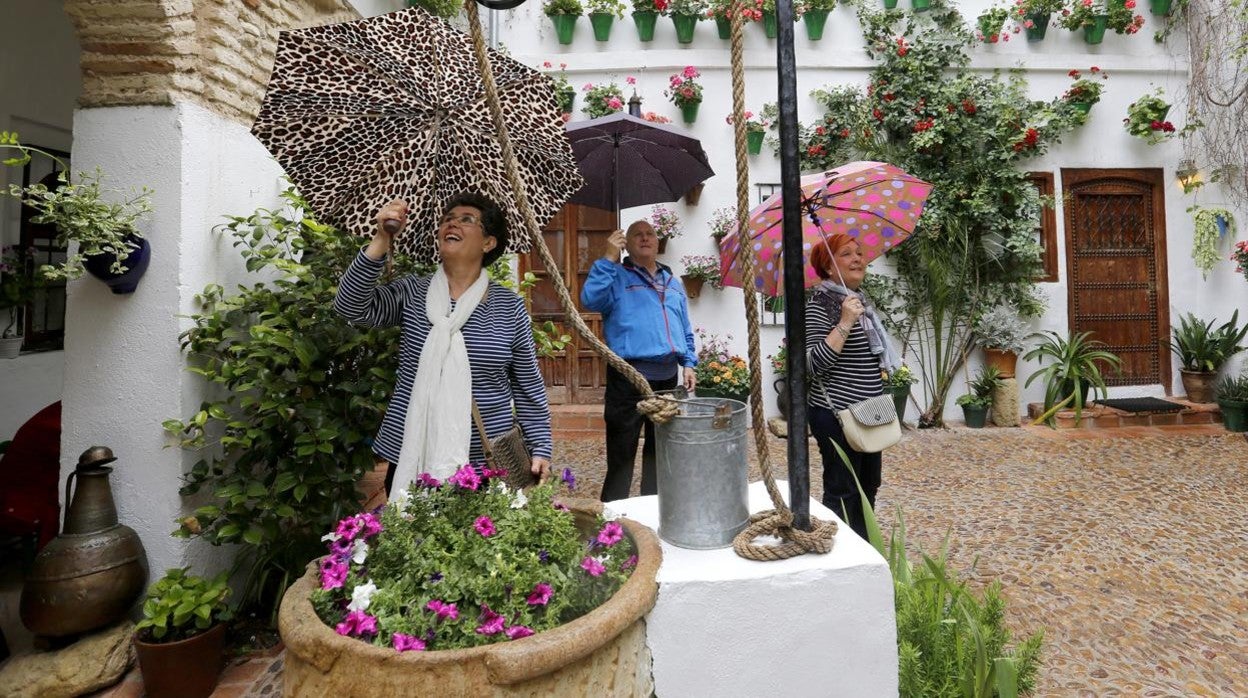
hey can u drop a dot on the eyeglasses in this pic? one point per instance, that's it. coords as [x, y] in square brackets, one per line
[462, 219]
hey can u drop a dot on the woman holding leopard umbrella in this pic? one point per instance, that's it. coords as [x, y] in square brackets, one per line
[465, 338]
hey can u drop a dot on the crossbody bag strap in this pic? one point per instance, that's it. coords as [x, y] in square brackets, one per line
[485, 442]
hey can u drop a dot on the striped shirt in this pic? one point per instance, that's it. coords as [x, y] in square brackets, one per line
[499, 339]
[838, 380]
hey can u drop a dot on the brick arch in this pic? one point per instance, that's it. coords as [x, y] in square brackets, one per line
[216, 53]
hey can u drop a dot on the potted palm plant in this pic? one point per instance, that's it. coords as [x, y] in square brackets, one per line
[975, 404]
[1202, 351]
[110, 245]
[181, 639]
[1076, 369]
[1003, 335]
[1232, 396]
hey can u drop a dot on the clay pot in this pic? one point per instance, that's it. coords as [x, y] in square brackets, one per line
[187, 668]
[1004, 361]
[1198, 384]
[601, 652]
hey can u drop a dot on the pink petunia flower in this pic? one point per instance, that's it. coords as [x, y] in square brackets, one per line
[592, 566]
[444, 610]
[333, 573]
[407, 643]
[491, 622]
[615, 103]
[630, 80]
[357, 623]
[484, 526]
[427, 480]
[610, 534]
[466, 478]
[540, 595]
[630, 563]
[516, 632]
[690, 72]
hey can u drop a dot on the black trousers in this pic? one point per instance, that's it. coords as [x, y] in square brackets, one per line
[624, 425]
[840, 493]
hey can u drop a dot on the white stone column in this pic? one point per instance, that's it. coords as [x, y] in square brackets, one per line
[813, 625]
[124, 371]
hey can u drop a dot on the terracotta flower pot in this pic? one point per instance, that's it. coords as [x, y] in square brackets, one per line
[1004, 361]
[694, 195]
[1198, 384]
[693, 285]
[605, 647]
[185, 669]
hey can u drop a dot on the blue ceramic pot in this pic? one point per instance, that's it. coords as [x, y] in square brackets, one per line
[100, 266]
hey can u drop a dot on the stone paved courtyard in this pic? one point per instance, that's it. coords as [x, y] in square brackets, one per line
[1125, 545]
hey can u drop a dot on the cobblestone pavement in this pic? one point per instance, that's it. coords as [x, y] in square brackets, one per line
[1129, 552]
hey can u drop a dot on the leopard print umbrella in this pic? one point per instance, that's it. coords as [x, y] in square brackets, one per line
[364, 112]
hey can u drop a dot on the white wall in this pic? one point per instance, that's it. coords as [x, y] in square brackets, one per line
[1135, 64]
[124, 371]
[38, 87]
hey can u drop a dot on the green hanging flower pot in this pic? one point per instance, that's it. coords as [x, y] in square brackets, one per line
[769, 25]
[1160, 7]
[565, 25]
[1039, 25]
[689, 111]
[890, 4]
[685, 24]
[1094, 33]
[921, 5]
[601, 22]
[815, 21]
[1081, 107]
[724, 27]
[645, 24]
[754, 141]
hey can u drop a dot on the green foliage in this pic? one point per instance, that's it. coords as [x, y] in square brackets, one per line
[181, 605]
[298, 393]
[1077, 367]
[1199, 347]
[1001, 327]
[1208, 233]
[718, 368]
[985, 381]
[440, 8]
[990, 23]
[602, 100]
[79, 213]
[951, 641]
[563, 7]
[1146, 119]
[606, 7]
[903, 377]
[481, 547]
[1232, 388]
[691, 8]
[17, 286]
[1119, 15]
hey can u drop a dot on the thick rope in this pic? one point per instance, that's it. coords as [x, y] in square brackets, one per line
[776, 522]
[656, 408]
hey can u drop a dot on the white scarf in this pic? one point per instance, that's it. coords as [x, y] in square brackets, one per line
[438, 428]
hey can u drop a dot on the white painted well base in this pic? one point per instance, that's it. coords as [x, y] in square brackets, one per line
[814, 625]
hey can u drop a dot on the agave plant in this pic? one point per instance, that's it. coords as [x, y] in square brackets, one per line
[1076, 370]
[1203, 349]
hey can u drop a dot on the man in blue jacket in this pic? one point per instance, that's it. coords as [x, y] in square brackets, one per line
[646, 321]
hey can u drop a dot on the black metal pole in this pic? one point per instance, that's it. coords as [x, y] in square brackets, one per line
[794, 272]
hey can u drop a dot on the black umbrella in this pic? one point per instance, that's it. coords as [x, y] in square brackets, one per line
[627, 161]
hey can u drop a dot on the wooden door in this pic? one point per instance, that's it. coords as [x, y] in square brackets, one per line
[576, 237]
[1116, 268]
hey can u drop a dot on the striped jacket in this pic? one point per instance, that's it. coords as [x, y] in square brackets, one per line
[838, 380]
[499, 338]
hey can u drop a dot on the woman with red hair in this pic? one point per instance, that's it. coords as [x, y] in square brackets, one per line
[846, 349]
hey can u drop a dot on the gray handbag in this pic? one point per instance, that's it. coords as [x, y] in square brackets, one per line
[870, 426]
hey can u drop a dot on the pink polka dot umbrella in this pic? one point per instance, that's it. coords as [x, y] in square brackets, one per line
[874, 202]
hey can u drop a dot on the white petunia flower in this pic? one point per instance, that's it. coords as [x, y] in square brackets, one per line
[401, 499]
[519, 501]
[361, 596]
[359, 551]
[610, 514]
[330, 537]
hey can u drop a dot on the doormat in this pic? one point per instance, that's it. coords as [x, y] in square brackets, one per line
[1141, 404]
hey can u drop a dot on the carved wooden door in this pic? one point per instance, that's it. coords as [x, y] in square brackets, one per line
[576, 236]
[1116, 268]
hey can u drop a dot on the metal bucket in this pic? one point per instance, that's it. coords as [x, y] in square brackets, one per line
[701, 459]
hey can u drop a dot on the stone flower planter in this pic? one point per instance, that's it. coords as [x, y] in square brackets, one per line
[601, 653]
